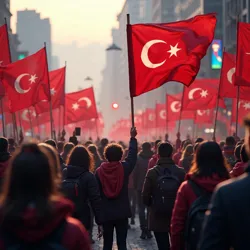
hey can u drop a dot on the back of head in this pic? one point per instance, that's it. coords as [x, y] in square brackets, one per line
[165, 150]
[60, 146]
[243, 154]
[209, 160]
[146, 147]
[29, 178]
[52, 143]
[189, 150]
[156, 144]
[230, 141]
[4, 145]
[113, 152]
[237, 152]
[199, 140]
[104, 142]
[222, 144]
[68, 147]
[81, 157]
[87, 143]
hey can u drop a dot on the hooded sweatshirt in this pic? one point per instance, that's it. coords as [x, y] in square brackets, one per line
[111, 176]
[32, 229]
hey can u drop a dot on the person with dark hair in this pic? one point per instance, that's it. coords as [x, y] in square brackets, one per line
[113, 178]
[159, 192]
[227, 221]
[155, 157]
[208, 170]
[139, 176]
[104, 142]
[87, 143]
[97, 158]
[60, 146]
[237, 153]
[199, 140]
[12, 145]
[4, 157]
[81, 187]
[187, 158]
[228, 150]
[66, 150]
[240, 167]
[222, 144]
[196, 146]
[33, 214]
[178, 154]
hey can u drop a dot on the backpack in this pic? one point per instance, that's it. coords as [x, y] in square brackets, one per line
[196, 216]
[72, 190]
[50, 242]
[165, 192]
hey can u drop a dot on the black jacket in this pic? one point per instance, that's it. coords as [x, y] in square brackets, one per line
[141, 169]
[89, 191]
[119, 208]
[227, 224]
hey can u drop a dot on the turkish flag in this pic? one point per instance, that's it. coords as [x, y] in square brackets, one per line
[159, 53]
[161, 115]
[242, 77]
[28, 118]
[174, 109]
[149, 118]
[227, 87]
[26, 81]
[57, 91]
[80, 106]
[243, 110]
[202, 95]
[204, 117]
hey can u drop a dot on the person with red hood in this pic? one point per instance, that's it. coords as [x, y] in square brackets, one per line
[33, 214]
[152, 162]
[113, 179]
[4, 157]
[208, 170]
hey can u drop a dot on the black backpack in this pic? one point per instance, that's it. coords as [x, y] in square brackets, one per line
[165, 192]
[73, 191]
[50, 242]
[196, 216]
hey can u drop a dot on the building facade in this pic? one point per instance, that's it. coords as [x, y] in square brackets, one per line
[33, 31]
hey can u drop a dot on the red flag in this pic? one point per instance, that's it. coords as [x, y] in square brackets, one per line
[149, 118]
[80, 106]
[26, 81]
[227, 87]
[28, 118]
[242, 77]
[57, 91]
[174, 108]
[161, 115]
[243, 110]
[4, 45]
[159, 53]
[202, 95]
[204, 117]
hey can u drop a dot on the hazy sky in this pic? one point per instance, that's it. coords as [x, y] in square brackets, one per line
[84, 21]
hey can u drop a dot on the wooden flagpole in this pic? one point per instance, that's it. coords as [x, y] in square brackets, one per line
[50, 101]
[166, 114]
[218, 99]
[130, 76]
[156, 120]
[31, 125]
[182, 100]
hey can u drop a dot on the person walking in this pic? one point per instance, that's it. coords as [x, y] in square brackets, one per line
[113, 178]
[66, 150]
[155, 157]
[97, 158]
[159, 192]
[208, 170]
[187, 158]
[33, 213]
[228, 150]
[139, 176]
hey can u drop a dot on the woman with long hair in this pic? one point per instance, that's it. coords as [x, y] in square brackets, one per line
[32, 212]
[208, 170]
[81, 187]
[66, 150]
[187, 158]
[97, 158]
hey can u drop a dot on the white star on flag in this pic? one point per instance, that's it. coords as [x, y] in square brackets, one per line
[173, 50]
[204, 93]
[75, 106]
[33, 79]
[246, 105]
[52, 91]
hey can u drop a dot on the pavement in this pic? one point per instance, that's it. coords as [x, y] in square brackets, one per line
[133, 241]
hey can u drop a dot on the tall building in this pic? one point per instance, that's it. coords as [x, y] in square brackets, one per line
[232, 9]
[163, 11]
[33, 31]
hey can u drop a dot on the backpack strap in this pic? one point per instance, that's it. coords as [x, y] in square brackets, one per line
[196, 188]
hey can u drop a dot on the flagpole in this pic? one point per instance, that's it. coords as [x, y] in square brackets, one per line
[130, 74]
[64, 95]
[166, 114]
[156, 121]
[3, 120]
[194, 125]
[182, 100]
[31, 126]
[50, 100]
[97, 132]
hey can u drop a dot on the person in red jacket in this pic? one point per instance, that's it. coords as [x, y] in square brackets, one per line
[209, 169]
[152, 162]
[32, 213]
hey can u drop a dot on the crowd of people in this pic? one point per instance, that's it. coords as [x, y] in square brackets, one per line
[194, 196]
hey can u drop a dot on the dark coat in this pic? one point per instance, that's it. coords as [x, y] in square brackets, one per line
[227, 224]
[184, 200]
[119, 208]
[141, 169]
[90, 192]
[4, 162]
[159, 223]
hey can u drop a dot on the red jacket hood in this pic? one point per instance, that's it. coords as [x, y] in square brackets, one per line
[239, 169]
[207, 183]
[111, 175]
[32, 229]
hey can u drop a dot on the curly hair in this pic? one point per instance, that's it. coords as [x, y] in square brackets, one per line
[113, 152]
